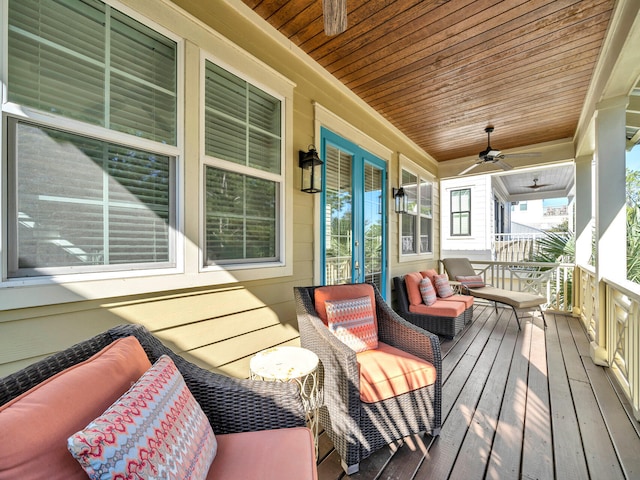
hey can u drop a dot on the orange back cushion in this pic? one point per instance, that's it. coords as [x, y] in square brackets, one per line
[39, 421]
[430, 274]
[412, 282]
[342, 292]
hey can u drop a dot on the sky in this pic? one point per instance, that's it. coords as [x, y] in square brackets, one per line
[633, 158]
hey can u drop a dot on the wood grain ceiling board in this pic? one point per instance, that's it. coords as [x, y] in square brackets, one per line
[442, 70]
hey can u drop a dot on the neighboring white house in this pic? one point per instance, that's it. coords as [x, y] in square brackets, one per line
[479, 217]
[471, 211]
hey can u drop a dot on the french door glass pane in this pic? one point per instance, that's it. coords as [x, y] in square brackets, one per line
[241, 217]
[373, 254]
[338, 234]
[83, 203]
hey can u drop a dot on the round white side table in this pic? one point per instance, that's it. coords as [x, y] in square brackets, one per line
[292, 364]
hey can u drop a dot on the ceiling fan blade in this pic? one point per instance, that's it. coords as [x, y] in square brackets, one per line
[503, 165]
[521, 155]
[471, 167]
[335, 16]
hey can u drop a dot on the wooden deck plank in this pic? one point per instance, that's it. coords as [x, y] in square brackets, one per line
[623, 435]
[442, 456]
[497, 380]
[537, 451]
[599, 451]
[504, 463]
[454, 349]
[477, 445]
[570, 462]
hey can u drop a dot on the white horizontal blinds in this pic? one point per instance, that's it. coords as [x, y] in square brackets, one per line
[107, 70]
[53, 67]
[84, 203]
[143, 81]
[264, 131]
[338, 227]
[241, 221]
[243, 123]
[409, 220]
[243, 133]
[426, 216]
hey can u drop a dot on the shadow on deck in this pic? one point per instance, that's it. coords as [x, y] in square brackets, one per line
[528, 404]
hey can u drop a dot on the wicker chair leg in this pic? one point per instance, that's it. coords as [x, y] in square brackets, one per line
[350, 469]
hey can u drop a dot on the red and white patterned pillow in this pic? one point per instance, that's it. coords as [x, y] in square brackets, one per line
[471, 281]
[442, 285]
[427, 291]
[352, 322]
[155, 430]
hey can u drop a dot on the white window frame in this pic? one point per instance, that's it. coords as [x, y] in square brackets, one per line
[422, 175]
[64, 287]
[282, 264]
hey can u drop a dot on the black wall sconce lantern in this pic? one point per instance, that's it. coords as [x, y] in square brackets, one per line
[401, 200]
[311, 166]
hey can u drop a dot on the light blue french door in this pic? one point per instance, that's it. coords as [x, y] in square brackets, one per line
[354, 230]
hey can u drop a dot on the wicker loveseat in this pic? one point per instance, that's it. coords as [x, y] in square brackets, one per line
[359, 426]
[446, 317]
[259, 426]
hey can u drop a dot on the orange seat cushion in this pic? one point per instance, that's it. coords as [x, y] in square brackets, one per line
[387, 372]
[442, 308]
[342, 292]
[265, 455]
[412, 283]
[39, 421]
[466, 299]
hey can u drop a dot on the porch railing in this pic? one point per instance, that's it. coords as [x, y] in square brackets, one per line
[551, 280]
[622, 328]
[514, 247]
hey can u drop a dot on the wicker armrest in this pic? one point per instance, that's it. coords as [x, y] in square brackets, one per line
[397, 332]
[339, 371]
[231, 404]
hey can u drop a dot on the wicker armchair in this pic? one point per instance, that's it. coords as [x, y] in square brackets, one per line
[357, 428]
[232, 405]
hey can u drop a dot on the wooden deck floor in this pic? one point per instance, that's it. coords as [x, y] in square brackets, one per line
[524, 404]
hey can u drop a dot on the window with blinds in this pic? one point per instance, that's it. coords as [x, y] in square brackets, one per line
[243, 170]
[108, 70]
[81, 204]
[417, 223]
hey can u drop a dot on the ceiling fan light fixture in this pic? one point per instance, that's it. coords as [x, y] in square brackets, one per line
[335, 16]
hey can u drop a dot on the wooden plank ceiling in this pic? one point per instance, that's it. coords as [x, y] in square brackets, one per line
[441, 71]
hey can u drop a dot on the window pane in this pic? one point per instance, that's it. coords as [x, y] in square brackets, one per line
[243, 123]
[425, 235]
[241, 221]
[408, 234]
[425, 198]
[465, 200]
[88, 204]
[67, 71]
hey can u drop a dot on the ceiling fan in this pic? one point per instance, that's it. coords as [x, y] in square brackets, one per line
[491, 155]
[536, 185]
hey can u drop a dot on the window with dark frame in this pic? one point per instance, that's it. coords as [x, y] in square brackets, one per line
[461, 212]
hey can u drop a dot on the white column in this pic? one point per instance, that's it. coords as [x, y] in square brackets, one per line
[611, 243]
[584, 211]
